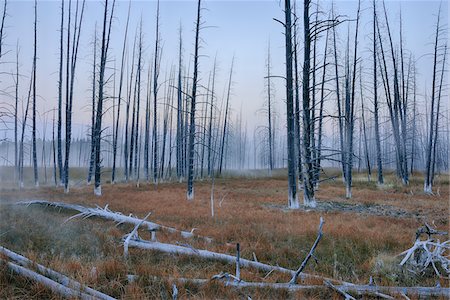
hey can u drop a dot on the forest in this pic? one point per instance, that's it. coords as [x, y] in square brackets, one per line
[224, 149]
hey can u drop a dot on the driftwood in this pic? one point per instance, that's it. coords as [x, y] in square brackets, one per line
[106, 213]
[49, 273]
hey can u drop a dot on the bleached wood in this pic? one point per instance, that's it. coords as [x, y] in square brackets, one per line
[310, 254]
[339, 290]
[176, 249]
[60, 278]
[47, 282]
[87, 212]
[358, 289]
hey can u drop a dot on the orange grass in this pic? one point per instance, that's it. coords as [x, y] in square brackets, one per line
[354, 246]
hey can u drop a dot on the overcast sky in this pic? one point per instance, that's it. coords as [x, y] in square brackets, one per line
[240, 28]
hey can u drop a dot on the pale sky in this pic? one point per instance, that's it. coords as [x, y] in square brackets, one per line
[240, 28]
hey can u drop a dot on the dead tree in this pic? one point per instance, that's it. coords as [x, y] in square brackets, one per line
[321, 108]
[101, 85]
[438, 113]
[119, 100]
[350, 108]
[211, 155]
[16, 115]
[94, 95]
[225, 120]
[2, 27]
[297, 99]
[190, 182]
[60, 91]
[397, 110]
[127, 115]
[147, 124]
[428, 183]
[180, 127]
[308, 170]
[35, 166]
[339, 103]
[70, 87]
[363, 119]
[155, 99]
[269, 107]
[375, 99]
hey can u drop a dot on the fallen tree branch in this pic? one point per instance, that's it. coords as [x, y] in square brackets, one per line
[56, 276]
[106, 213]
[311, 253]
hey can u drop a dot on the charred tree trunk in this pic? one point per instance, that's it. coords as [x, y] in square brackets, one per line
[122, 65]
[155, 100]
[60, 84]
[101, 85]
[225, 121]
[375, 100]
[308, 170]
[35, 166]
[190, 182]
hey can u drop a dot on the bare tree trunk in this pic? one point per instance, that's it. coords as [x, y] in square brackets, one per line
[2, 27]
[147, 125]
[190, 183]
[366, 147]
[351, 118]
[429, 150]
[436, 130]
[122, 65]
[339, 105]
[35, 166]
[211, 154]
[225, 121]
[127, 119]
[297, 100]
[155, 100]
[180, 127]
[54, 151]
[291, 137]
[16, 116]
[60, 84]
[101, 83]
[308, 170]
[375, 99]
[414, 128]
[322, 100]
[269, 106]
[94, 95]
[75, 44]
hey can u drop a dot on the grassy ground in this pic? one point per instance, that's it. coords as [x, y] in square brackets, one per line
[356, 244]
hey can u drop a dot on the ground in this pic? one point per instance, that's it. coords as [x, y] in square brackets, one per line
[362, 236]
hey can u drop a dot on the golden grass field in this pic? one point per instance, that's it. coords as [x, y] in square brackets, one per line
[356, 244]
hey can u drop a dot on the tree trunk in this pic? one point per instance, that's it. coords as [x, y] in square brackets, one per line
[190, 183]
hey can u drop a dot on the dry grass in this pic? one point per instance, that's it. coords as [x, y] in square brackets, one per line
[353, 248]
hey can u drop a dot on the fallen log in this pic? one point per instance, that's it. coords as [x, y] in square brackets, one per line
[56, 276]
[47, 282]
[176, 249]
[106, 213]
[357, 289]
